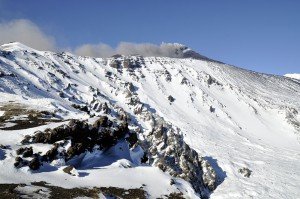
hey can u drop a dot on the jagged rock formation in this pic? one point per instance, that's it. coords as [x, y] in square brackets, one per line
[164, 148]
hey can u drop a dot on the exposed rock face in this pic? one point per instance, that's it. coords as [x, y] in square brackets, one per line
[291, 117]
[167, 150]
[132, 139]
[115, 63]
[102, 122]
[209, 175]
[128, 63]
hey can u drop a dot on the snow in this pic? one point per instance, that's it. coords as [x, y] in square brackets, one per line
[156, 182]
[253, 125]
[294, 75]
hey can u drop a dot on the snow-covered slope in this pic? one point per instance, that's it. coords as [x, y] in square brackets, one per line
[236, 120]
[293, 75]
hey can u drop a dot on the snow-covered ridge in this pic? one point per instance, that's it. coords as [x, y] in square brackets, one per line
[293, 75]
[16, 46]
[235, 119]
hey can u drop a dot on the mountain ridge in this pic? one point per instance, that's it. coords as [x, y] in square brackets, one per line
[233, 118]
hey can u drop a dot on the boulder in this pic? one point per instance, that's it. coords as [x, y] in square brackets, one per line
[26, 139]
[34, 164]
[69, 169]
[245, 172]
[28, 152]
[171, 98]
[19, 162]
[50, 155]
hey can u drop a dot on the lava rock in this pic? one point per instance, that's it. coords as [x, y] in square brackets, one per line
[50, 155]
[76, 149]
[132, 139]
[145, 158]
[121, 131]
[19, 162]
[20, 151]
[26, 139]
[245, 172]
[212, 109]
[171, 98]
[40, 137]
[34, 164]
[28, 152]
[3, 146]
[101, 122]
[115, 64]
[106, 139]
[105, 108]
[68, 169]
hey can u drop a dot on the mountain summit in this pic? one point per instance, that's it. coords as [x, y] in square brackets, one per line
[135, 126]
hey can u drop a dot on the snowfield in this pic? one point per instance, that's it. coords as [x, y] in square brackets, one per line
[243, 124]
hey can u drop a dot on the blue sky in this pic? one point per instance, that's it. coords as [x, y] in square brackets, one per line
[258, 35]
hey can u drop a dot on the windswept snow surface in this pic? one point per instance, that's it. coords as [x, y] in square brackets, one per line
[234, 118]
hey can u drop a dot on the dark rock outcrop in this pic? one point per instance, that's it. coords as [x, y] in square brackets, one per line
[102, 134]
[34, 164]
[171, 98]
[245, 172]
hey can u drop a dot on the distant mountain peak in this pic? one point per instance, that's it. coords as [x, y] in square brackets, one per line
[293, 75]
[183, 51]
[15, 46]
